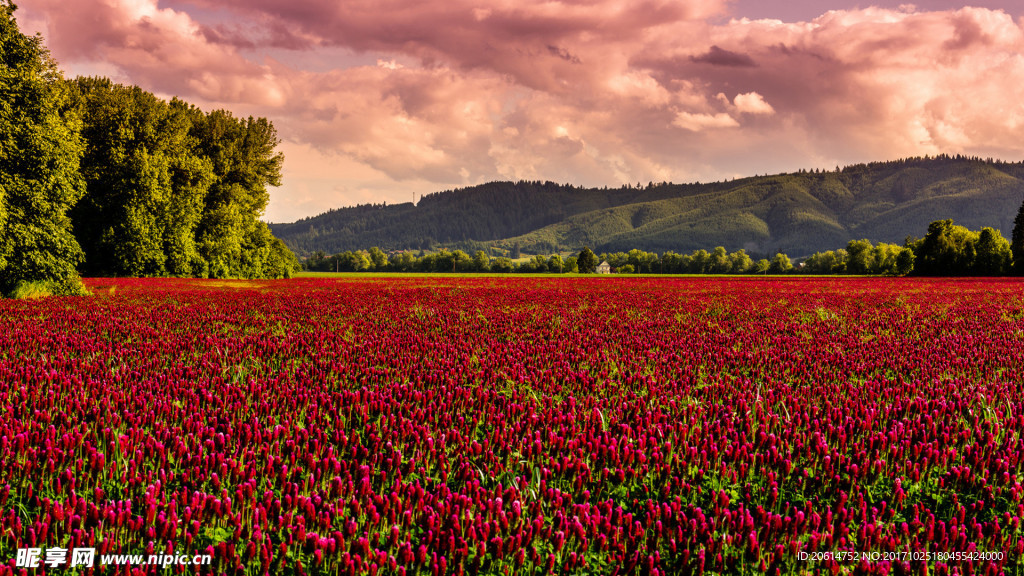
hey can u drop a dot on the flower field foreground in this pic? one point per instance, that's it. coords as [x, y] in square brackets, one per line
[433, 426]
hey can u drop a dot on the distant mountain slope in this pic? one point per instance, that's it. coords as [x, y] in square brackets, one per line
[796, 213]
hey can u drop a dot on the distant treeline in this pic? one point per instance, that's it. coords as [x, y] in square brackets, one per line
[798, 213]
[634, 261]
[109, 180]
[946, 250]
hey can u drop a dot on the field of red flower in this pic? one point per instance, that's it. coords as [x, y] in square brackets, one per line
[432, 425]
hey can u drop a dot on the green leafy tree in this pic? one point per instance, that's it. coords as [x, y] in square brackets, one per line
[829, 262]
[949, 250]
[481, 261]
[281, 262]
[587, 261]
[317, 261]
[699, 262]
[501, 264]
[540, 263]
[860, 257]
[379, 259]
[719, 262]
[904, 262]
[946, 250]
[403, 262]
[883, 258]
[442, 261]
[780, 264]
[672, 263]
[244, 162]
[740, 262]
[358, 261]
[145, 184]
[40, 151]
[461, 262]
[993, 255]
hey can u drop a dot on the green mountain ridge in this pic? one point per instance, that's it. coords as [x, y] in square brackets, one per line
[797, 213]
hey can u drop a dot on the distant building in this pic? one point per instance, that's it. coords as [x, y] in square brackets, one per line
[604, 268]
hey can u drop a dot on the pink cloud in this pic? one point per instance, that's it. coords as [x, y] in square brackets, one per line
[591, 92]
[752, 103]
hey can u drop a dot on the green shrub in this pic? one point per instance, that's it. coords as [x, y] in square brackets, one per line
[27, 290]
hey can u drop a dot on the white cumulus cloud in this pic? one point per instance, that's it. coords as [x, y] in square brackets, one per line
[752, 103]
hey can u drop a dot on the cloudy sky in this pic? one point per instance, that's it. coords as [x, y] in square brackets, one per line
[381, 100]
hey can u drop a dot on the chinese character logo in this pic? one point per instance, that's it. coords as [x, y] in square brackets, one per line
[83, 557]
[28, 557]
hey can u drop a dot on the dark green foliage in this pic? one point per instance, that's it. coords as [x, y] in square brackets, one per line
[951, 250]
[798, 214]
[587, 261]
[993, 256]
[905, 262]
[634, 261]
[481, 261]
[232, 240]
[638, 261]
[40, 149]
[502, 264]
[146, 187]
[861, 257]
[174, 191]
[1017, 242]
[146, 183]
[946, 250]
[281, 261]
[828, 262]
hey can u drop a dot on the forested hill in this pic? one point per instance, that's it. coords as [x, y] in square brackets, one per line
[798, 213]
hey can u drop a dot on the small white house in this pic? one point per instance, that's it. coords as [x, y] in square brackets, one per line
[604, 268]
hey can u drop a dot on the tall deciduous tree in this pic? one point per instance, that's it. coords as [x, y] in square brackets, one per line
[232, 239]
[994, 256]
[860, 257]
[40, 149]
[175, 191]
[145, 183]
[780, 264]
[949, 250]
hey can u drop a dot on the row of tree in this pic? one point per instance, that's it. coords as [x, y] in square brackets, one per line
[634, 261]
[946, 250]
[718, 261]
[861, 257]
[109, 180]
[950, 250]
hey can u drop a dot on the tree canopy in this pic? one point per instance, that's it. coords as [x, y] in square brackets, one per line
[108, 179]
[175, 191]
[40, 148]
[951, 250]
[587, 261]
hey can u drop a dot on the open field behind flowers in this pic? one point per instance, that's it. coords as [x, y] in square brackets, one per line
[432, 425]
